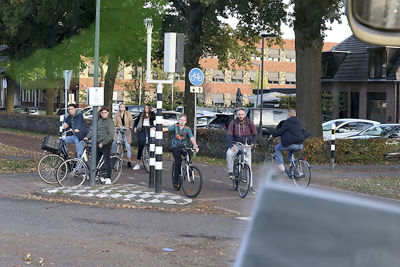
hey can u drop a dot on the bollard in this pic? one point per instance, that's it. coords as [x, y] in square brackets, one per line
[159, 141]
[152, 160]
[333, 146]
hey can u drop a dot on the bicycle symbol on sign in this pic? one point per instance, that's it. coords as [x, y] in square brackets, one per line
[196, 76]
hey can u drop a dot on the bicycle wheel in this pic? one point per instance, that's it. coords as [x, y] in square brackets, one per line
[146, 159]
[120, 150]
[47, 168]
[192, 182]
[270, 159]
[301, 173]
[244, 180]
[116, 169]
[72, 172]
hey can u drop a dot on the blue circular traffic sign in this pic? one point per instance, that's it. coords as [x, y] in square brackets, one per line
[196, 76]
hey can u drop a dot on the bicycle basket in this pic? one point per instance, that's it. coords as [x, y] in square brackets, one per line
[51, 144]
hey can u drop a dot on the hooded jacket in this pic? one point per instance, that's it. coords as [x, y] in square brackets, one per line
[290, 132]
[245, 132]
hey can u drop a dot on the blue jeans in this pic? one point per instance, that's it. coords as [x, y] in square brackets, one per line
[279, 148]
[80, 145]
[127, 146]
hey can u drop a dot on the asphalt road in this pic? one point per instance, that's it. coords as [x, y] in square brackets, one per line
[76, 235]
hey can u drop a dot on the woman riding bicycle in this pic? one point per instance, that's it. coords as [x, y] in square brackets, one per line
[292, 137]
[142, 126]
[179, 140]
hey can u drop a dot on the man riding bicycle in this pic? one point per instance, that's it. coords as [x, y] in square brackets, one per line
[181, 137]
[240, 130]
[292, 138]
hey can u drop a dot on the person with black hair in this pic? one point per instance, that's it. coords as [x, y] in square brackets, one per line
[76, 122]
[142, 126]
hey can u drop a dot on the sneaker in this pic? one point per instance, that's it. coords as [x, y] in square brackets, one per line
[252, 190]
[231, 176]
[107, 181]
[129, 164]
[136, 167]
[281, 167]
[177, 187]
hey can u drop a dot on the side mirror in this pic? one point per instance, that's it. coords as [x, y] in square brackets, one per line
[374, 21]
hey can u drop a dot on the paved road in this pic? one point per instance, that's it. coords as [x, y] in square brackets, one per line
[75, 235]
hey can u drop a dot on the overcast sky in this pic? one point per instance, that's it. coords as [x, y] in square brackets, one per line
[338, 33]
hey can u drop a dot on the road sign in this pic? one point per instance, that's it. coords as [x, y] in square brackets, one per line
[196, 76]
[67, 78]
[95, 96]
[196, 89]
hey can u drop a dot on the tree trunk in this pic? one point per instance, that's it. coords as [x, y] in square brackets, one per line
[193, 52]
[51, 94]
[11, 84]
[109, 81]
[309, 42]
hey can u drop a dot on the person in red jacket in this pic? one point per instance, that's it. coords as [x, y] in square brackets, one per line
[240, 130]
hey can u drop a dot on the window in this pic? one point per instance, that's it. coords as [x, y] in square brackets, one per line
[273, 78]
[377, 64]
[290, 78]
[237, 77]
[120, 73]
[218, 76]
[273, 55]
[290, 56]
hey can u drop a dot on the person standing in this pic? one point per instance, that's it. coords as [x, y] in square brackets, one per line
[142, 126]
[240, 130]
[105, 136]
[76, 122]
[180, 137]
[123, 119]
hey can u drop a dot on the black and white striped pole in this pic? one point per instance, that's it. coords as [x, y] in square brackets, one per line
[159, 141]
[152, 160]
[61, 124]
[333, 137]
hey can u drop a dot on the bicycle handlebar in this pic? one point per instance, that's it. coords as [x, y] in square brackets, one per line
[245, 145]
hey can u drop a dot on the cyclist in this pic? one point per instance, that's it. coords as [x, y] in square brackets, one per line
[179, 140]
[292, 137]
[142, 126]
[123, 118]
[105, 135]
[76, 122]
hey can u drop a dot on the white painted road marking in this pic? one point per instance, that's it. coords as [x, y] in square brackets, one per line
[244, 218]
[216, 181]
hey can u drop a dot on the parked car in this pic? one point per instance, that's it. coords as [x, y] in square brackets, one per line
[379, 131]
[170, 117]
[221, 120]
[345, 127]
[204, 121]
[27, 110]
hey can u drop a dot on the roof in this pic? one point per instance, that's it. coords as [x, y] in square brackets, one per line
[352, 44]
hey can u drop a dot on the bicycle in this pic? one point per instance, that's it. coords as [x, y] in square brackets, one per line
[241, 172]
[146, 155]
[299, 169]
[48, 165]
[74, 172]
[190, 177]
[120, 142]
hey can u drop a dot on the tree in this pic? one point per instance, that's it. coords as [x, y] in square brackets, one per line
[206, 34]
[310, 21]
[28, 26]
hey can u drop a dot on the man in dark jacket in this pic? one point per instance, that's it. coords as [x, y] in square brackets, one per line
[240, 130]
[77, 123]
[292, 137]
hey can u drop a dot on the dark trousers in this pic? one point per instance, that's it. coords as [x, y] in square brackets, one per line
[141, 136]
[105, 151]
[178, 153]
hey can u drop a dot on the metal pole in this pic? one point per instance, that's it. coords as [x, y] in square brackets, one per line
[262, 84]
[159, 141]
[258, 85]
[333, 137]
[94, 118]
[148, 63]
[152, 157]
[195, 117]
[65, 100]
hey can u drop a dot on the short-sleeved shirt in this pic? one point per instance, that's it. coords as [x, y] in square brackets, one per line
[180, 136]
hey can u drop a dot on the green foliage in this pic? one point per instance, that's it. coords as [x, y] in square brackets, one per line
[287, 102]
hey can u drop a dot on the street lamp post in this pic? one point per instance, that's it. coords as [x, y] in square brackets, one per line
[258, 83]
[263, 35]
